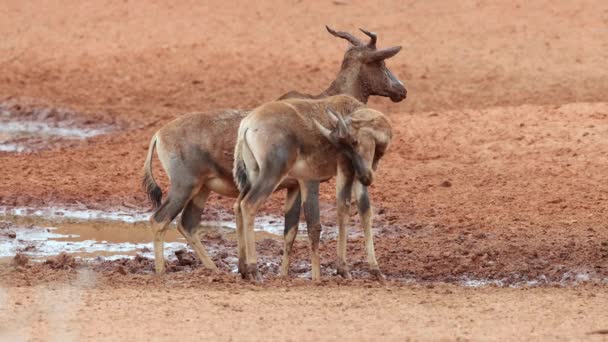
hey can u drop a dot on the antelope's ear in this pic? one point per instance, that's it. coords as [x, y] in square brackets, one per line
[379, 55]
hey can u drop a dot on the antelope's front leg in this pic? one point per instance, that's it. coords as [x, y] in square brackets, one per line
[240, 238]
[310, 195]
[293, 204]
[343, 194]
[365, 214]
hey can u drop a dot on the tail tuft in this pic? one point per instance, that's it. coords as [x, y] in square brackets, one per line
[155, 194]
[240, 175]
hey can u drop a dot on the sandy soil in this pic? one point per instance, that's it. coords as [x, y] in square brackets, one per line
[497, 170]
[300, 313]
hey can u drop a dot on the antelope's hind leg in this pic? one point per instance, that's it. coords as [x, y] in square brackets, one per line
[162, 217]
[159, 228]
[272, 173]
[249, 206]
[190, 228]
[292, 219]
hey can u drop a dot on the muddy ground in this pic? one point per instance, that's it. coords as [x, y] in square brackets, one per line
[497, 170]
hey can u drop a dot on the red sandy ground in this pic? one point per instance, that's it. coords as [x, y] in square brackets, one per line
[506, 102]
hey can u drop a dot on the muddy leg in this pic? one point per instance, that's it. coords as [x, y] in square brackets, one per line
[191, 230]
[365, 214]
[310, 194]
[240, 237]
[159, 229]
[178, 196]
[292, 218]
[343, 194]
[251, 203]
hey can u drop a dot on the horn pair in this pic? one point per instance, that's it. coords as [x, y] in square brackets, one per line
[369, 56]
[338, 119]
[352, 39]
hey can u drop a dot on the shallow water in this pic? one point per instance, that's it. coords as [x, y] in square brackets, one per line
[26, 136]
[88, 234]
[39, 128]
[40, 239]
[98, 235]
[269, 224]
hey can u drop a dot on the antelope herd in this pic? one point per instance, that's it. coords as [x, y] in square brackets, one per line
[293, 143]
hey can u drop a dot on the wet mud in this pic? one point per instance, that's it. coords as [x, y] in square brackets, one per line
[123, 246]
[27, 126]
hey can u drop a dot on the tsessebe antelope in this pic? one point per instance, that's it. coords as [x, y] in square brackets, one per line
[196, 150]
[286, 142]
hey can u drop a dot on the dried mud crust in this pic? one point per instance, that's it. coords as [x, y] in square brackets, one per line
[498, 165]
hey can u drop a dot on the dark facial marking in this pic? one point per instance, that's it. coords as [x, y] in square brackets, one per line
[358, 165]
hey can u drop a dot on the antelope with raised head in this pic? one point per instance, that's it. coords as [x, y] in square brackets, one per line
[286, 142]
[196, 150]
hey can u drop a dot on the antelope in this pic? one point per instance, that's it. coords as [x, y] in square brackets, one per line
[286, 142]
[196, 150]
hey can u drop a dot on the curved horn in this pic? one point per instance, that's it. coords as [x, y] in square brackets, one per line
[335, 116]
[372, 36]
[344, 35]
[374, 56]
[324, 131]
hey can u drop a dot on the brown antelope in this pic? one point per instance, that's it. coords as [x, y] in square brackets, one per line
[286, 142]
[196, 149]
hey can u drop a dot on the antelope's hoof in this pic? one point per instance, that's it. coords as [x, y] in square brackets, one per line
[344, 272]
[213, 270]
[159, 269]
[377, 275]
[243, 269]
[253, 274]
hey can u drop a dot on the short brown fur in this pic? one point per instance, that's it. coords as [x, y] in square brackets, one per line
[282, 143]
[196, 150]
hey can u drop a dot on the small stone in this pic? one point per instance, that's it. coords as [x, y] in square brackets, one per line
[446, 184]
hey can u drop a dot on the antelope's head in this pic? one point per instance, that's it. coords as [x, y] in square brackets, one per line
[365, 65]
[345, 139]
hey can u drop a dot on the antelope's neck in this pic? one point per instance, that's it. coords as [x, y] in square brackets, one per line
[348, 85]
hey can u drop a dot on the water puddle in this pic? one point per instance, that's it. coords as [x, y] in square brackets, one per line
[40, 233]
[92, 235]
[43, 129]
[38, 128]
[40, 239]
[53, 214]
[269, 224]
